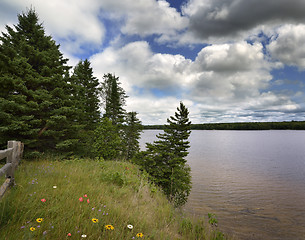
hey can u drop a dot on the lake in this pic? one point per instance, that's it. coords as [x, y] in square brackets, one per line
[254, 181]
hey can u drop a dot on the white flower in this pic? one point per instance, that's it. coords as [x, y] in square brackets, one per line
[130, 226]
[54, 186]
[84, 235]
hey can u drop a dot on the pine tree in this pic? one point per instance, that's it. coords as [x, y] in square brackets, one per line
[165, 159]
[107, 142]
[133, 131]
[87, 93]
[35, 103]
[114, 99]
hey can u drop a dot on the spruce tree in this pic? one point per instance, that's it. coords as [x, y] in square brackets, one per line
[107, 142]
[114, 99]
[35, 100]
[133, 131]
[165, 159]
[86, 95]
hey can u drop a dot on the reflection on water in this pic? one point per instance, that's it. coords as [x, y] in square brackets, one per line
[254, 181]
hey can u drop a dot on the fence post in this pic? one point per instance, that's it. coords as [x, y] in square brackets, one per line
[14, 158]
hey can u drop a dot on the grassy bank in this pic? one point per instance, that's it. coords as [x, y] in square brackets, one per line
[77, 199]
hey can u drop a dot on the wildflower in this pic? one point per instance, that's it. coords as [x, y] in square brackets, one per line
[39, 220]
[22, 227]
[38, 226]
[69, 234]
[54, 186]
[44, 233]
[92, 208]
[88, 201]
[85, 195]
[32, 229]
[95, 220]
[84, 235]
[43, 200]
[140, 235]
[130, 226]
[81, 199]
[109, 227]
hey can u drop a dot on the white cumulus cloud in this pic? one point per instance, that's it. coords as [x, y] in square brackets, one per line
[288, 45]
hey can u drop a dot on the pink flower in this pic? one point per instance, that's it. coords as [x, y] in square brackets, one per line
[69, 234]
[85, 195]
[43, 200]
[88, 200]
[81, 199]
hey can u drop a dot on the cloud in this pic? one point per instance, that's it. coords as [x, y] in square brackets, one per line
[231, 81]
[230, 18]
[140, 67]
[288, 45]
[75, 24]
[224, 81]
[230, 72]
[153, 17]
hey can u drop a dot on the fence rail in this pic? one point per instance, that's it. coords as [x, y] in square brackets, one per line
[13, 155]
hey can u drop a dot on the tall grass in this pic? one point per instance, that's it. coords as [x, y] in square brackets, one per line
[118, 194]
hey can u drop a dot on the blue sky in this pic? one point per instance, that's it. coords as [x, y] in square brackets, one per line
[227, 60]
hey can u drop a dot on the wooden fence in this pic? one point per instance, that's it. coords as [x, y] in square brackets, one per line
[13, 155]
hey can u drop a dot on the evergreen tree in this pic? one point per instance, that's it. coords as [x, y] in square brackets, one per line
[133, 131]
[114, 99]
[35, 104]
[107, 142]
[165, 159]
[87, 93]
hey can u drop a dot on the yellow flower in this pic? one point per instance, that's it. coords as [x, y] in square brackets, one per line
[32, 229]
[140, 235]
[39, 220]
[95, 220]
[109, 227]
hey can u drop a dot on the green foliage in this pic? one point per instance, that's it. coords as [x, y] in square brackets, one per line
[86, 95]
[35, 104]
[292, 125]
[132, 133]
[114, 99]
[165, 160]
[116, 178]
[107, 142]
[212, 219]
[186, 225]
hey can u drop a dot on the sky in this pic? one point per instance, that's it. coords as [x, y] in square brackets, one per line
[226, 60]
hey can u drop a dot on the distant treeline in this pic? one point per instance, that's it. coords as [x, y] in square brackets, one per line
[293, 125]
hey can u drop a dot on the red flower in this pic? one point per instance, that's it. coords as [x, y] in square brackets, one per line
[69, 234]
[81, 199]
[43, 200]
[88, 200]
[85, 195]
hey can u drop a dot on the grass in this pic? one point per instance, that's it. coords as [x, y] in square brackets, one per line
[118, 194]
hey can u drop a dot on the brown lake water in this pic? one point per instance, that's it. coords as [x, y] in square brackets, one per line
[254, 181]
